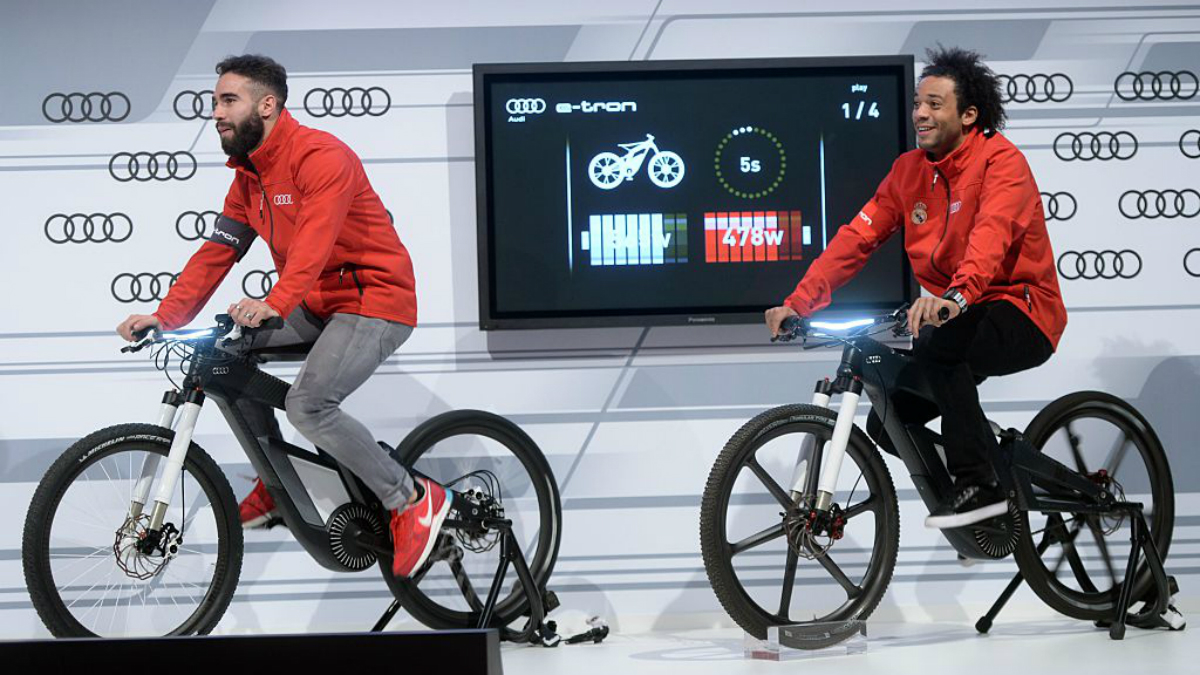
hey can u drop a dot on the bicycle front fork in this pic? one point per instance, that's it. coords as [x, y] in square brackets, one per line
[830, 454]
[178, 411]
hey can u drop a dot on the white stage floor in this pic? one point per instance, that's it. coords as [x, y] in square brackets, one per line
[1054, 646]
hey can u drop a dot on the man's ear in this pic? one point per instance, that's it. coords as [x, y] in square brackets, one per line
[268, 106]
[970, 116]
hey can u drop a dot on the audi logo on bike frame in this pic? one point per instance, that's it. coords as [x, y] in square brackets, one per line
[257, 284]
[1189, 144]
[525, 106]
[1191, 264]
[1102, 145]
[195, 225]
[1059, 205]
[1106, 264]
[147, 166]
[78, 228]
[193, 105]
[1036, 88]
[1163, 85]
[90, 107]
[352, 102]
[130, 287]
[1159, 204]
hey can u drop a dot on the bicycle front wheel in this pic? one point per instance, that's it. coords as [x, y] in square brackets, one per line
[763, 567]
[83, 567]
[1081, 568]
[471, 451]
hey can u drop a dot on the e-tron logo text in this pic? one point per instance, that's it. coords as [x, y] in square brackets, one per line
[1161, 86]
[596, 107]
[194, 225]
[78, 228]
[1125, 264]
[1037, 88]
[1159, 204]
[141, 287]
[257, 284]
[353, 102]
[90, 107]
[1059, 205]
[525, 106]
[193, 105]
[148, 166]
[1103, 145]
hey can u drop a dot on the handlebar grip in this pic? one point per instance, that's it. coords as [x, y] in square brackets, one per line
[944, 314]
[273, 323]
[791, 328]
[139, 335]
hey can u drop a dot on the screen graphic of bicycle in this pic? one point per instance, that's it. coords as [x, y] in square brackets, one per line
[607, 170]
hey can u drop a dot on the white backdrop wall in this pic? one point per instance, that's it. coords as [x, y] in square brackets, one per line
[631, 419]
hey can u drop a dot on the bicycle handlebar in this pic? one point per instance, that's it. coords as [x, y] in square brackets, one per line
[799, 327]
[225, 326]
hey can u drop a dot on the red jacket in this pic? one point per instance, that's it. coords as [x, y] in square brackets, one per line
[972, 221]
[333, 244]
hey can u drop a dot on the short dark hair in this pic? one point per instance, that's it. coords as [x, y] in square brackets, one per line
[262, 70]
[974, 84]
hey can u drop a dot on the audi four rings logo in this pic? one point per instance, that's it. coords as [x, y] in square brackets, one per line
[1191, 264]
[1161, 86]
[195, 225]
[257, 284]
[1037, 88]
[91, 107]
[193, 105]
[1189, 143]
[1124, 264]
[1103, 145]
[78, 228]
[148, 166]
[142, 286]
[1059, 205]
[525, 106]
[1160, 204]
[355, 102]
[282, 200]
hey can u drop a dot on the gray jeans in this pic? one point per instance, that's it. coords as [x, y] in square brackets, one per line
[346, 350]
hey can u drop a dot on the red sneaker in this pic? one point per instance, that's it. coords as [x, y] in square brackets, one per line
[258, 509]
[415, 529]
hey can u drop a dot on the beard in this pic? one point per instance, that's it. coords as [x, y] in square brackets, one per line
[247, 134]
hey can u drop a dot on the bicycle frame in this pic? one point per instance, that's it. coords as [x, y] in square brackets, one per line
[635, 155]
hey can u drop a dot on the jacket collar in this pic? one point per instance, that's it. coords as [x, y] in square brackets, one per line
[269, 152]
[960, 158]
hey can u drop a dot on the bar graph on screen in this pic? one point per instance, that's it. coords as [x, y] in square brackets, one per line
[635, 239]
[754, 236]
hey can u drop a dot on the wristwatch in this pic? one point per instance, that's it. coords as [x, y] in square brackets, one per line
[955, 296]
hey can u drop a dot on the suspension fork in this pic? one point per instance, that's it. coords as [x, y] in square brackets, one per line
[808, 447]
[190, 410]
[166, 419]
[836, 448]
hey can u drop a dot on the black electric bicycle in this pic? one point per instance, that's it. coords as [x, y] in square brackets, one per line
[1087, 469]
[103, 556]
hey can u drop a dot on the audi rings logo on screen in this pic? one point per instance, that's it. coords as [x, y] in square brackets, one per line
[195, 225]
[257, 284]
[90, 107]
[1102, 145]
[1191, 262]
[1163, 85]
[142, 286]
[1189, 144]
[78, 228]
[193, 105]
[1037, 88]
[525, 106]
[353, 102]
[1160, 204]
[1059, 205]
[148, 166]
[1125, 264]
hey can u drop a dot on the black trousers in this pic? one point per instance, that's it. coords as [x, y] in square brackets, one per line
[990, 339]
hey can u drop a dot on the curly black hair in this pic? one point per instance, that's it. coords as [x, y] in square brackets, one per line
[262, 70]
[974, 84]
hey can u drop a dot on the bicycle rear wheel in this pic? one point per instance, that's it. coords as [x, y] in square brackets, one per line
[472, 450]
[84, 573]
[1082, 569]
[759, 569]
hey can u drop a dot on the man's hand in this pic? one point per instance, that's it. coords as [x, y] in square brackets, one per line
[250, 313]
[925, 312]
[135, 323]
[775, 317]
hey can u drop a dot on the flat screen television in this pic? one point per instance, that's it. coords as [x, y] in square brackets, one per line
[679, 192]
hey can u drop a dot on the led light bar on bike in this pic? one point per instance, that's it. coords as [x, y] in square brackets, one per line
[189, 335]
[844, 325]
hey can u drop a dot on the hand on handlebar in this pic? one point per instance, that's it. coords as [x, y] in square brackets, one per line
[775, 317]
[137, 326]
[251, 313]
[930, 311]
